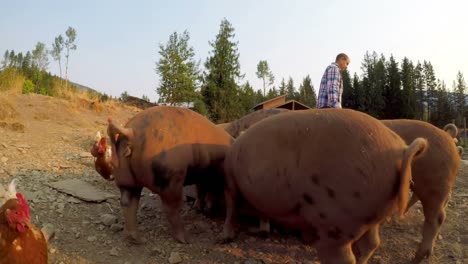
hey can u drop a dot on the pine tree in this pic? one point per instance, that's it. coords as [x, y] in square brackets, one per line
[420, 91]
[431, 86]
[392, 91]
[408, 92]
[460, 90]
[290, 90]
[220, 89]
[307, 94]
[282, 87]
[349, 94]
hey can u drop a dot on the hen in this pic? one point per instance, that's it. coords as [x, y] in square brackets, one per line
[102, 154]
[21, 242]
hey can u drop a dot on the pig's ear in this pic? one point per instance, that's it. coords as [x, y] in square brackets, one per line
[115, 132]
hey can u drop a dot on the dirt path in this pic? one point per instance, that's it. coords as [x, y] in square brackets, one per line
[48, 144]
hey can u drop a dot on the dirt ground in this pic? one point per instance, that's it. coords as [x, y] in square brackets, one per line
[44, 139]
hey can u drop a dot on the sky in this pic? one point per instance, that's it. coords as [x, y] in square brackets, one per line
[118, 41]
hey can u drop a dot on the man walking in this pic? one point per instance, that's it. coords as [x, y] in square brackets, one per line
[331, 85]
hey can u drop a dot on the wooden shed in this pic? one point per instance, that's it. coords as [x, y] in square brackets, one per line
[280, 102]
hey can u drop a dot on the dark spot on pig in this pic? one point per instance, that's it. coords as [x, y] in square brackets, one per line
[297, 209]
[334, 233]
[160, 172]
[309, 199]
[315, 179]
[322, 215]
[440, 219]
[161, 137]
[145, 123]
[357, 195]
[331, 193]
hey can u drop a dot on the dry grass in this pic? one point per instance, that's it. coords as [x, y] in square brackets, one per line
[7, 111]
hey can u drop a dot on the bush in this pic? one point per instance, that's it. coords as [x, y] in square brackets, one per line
[200, 107]
[11, 80]
[28, 87]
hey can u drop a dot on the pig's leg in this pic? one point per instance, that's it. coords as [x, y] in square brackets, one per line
[330, 254]
[129, 200]
[367, 244]
[172, 202]
[264, 229]
[199, 203]
[434, 217]
[230, 196]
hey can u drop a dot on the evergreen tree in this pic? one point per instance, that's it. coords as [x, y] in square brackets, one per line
[290, 90]
[443, 112]
[431, 86]
[372, 84]
[220, 89]
[248, 97]
[178, 71]
[272, 93]
[392, 91]
[307, 94]
[418, 79]
[408, 92]
[360, 98]
[349, 96]
[460, 90]
[282, 87]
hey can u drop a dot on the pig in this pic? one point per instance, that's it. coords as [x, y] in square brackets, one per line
[453, 132]
[433, 175]
[164, 148]
[238, 126]
[333, 174]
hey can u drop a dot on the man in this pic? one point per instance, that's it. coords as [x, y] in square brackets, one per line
[331, 85]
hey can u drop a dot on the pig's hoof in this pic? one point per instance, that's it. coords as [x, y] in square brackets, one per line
[134, 239]
[224, 240]
[420, 255]
[180, 237]
[263, 234]
[197, 205]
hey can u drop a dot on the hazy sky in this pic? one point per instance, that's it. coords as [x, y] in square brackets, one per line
[117, 41]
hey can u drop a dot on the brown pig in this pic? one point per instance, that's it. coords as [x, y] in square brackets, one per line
[433, 175]
[238, 126]
[333, 174]
[164, 148]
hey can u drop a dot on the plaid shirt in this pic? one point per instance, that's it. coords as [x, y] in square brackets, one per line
[331, 88]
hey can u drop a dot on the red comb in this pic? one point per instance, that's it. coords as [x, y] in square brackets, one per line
[24, 205]
[109, 120]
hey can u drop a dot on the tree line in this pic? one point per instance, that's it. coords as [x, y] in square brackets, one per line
[31, 66]
[218, 91]
[387, 89]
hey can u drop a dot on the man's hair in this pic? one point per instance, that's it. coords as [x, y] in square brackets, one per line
[341, 56]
